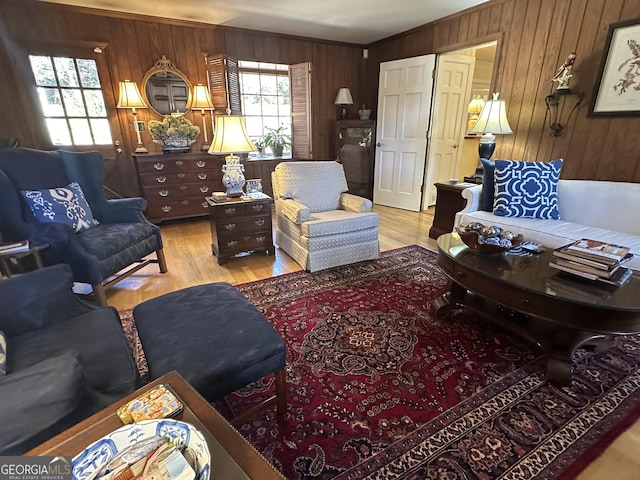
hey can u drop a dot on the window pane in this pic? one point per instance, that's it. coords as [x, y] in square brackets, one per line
[73, 103]
[254, 127]
[268, 85]
[101, 131]
[80, 131]
[269, 106]
[66, 70]
[247, 64]
[283, 87]
[51, 102]
[42, 70]
[59, 131]
[95, 103]
[284, 111]
[88, 73]
[251, 83]
[251, 105]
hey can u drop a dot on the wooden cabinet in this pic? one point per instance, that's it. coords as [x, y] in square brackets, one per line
[175, 185]
[240, 226]
[449, 201]
[355, 144]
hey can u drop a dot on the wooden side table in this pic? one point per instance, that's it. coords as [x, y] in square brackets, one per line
[240, 226]
[449, 201]
[11, 260]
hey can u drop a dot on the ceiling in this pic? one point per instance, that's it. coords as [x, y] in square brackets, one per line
[352, 21]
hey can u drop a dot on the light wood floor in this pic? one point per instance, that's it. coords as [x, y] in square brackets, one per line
[187, 246]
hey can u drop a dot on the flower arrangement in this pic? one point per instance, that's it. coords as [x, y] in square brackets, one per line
[173, 132]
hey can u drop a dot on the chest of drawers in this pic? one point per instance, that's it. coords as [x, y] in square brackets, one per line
[240, 226]
[175, 185]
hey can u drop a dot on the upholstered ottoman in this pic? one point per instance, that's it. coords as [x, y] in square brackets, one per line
[215, 338]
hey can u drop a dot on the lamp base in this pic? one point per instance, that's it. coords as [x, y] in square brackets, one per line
[487, 145]
[205, 147]
[233, 178]
[141, 149]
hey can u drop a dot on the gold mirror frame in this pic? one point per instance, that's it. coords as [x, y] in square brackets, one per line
[162, 70]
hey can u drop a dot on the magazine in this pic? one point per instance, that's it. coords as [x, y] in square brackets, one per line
[619, 278]
[14, 247]
[598, 249]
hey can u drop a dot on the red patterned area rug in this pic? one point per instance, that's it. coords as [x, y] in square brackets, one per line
[381, 388]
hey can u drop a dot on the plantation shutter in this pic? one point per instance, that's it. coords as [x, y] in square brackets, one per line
[224, 83]
[300, 88]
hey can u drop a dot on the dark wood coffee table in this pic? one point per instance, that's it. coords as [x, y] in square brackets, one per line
[523, 293]
[232, 457]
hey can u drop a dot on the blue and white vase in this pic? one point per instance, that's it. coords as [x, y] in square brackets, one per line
[233, 178]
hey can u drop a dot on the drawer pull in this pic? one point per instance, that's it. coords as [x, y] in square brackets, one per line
[204, 189]
[230, 211]
[232, 243]
[256, 208]
[230, 227]
[202, 176]
[185, 202]
[205, 204]
[164, 192]
[525, 301]
[158, 166]
[259, 222]
[166, 208]
[182, 187]
[181, 175]
[460, 274]
[201, 163]
[261, 239]
[179, 163]
[161, 179]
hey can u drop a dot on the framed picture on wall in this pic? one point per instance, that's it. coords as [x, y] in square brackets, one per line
[618, 86]
[254, 185]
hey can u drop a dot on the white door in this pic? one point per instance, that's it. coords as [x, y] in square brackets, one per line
[454, 76]
[404, 104]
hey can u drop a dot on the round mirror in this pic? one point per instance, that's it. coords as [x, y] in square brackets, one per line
[165, 89]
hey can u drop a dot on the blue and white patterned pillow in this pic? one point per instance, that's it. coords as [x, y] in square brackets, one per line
[61, 205]
[527, 189]
[3, 353]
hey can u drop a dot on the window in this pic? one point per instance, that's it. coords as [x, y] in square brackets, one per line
[72, 101]
[265, 97]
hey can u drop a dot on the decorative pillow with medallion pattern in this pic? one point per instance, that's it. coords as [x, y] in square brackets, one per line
[527, 189]
[65, 205]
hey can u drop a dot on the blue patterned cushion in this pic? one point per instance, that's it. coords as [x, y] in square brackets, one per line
[527, 189]
[61, 205]
[3, 353]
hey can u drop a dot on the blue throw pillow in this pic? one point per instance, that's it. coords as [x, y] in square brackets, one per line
[3, 353]
[527, 189]
[488, 185]
[65, 205]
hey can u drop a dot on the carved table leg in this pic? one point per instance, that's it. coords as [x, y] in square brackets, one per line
[448, 300]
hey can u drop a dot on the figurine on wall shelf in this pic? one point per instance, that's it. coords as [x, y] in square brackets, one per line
[564, 73]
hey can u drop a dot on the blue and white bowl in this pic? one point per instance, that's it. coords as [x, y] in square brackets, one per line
[101, 451]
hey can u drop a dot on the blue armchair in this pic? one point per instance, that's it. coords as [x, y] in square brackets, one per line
[101, 255]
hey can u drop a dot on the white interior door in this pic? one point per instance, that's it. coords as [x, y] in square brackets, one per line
[454, 76]
[404, 104]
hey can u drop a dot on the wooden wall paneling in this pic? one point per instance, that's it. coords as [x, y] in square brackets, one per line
[454, 31]
[495, 14]
[463, 29]
[484, 22]
[474, 24]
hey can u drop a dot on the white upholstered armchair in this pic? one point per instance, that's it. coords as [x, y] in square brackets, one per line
[317, 223]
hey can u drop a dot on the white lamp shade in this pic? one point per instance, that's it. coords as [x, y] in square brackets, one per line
[344, 97]
[201, 99]
[231, 136]
[493, 118]
[129, 96]
[476, 105]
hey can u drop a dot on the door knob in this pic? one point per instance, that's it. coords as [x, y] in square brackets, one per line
[378, 144]
[455, 145]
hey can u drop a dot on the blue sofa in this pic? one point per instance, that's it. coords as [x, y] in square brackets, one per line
[66, 359]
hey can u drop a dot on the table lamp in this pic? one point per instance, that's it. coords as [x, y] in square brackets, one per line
[492, 121]
[129, 97]
[231, 137]
[202, 101]
[343, 99]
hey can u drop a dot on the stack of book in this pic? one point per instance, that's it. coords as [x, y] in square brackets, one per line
[14, 247]
[594, 260]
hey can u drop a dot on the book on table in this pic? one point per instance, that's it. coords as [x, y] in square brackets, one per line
[617, 278]
[597, 250]
[14, 247]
